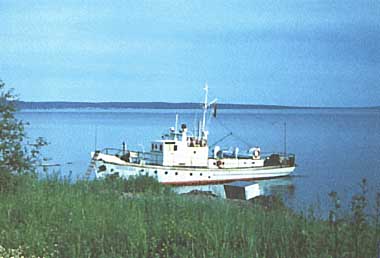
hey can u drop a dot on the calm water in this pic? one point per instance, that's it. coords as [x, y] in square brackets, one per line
[335, 148]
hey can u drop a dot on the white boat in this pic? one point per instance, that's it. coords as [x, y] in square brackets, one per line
[184, 158]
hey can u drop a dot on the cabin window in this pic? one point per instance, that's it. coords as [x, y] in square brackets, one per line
[253, 162]
[175, 147]
[201, 174]
[176, 173]
[170, 146]
[209, 176]
[195, 152]
[191, 174]
[160, 147]
[152, 146]
[155, 171]
[166, 172]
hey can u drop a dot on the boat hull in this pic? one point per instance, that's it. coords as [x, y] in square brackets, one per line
[190, 175]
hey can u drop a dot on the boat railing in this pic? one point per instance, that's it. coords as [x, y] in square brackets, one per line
[134, 156]
[112, 151]
[262, 154]
[281, 154]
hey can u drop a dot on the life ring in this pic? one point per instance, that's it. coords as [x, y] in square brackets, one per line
[219, 164]
[256, 154]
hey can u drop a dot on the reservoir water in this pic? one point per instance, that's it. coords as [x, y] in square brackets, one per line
[335, 148]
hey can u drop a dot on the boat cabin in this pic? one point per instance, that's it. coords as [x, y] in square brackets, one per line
[179, 149]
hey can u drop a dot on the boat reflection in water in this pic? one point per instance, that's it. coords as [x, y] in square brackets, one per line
[283, 187]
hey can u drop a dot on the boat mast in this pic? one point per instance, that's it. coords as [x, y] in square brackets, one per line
[205, 107]
[199, 130]
[285, 139]
[176, 127]
[203, 133]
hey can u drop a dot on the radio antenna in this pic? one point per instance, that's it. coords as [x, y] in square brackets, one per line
[96, 136]
[285, 138]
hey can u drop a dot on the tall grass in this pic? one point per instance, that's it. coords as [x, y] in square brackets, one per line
[55, 218]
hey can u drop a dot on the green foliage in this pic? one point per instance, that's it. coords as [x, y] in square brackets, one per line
[7, 181]
[146, 184]
[16, 155]
[142, 218]
[55, 218]
[10, 182]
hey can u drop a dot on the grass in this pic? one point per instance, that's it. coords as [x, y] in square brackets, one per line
[55, 218]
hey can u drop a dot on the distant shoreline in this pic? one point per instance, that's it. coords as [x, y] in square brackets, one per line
[157, 105]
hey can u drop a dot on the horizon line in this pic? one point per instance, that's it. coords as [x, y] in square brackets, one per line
[167, 105]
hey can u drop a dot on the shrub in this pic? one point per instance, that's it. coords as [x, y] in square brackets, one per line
[16, 155]
[144, 184]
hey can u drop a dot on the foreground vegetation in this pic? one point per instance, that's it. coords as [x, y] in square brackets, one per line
[141, 218]
[55, 218]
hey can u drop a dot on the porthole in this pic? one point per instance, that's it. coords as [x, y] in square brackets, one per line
[253, 162]
[176, 173]
[166, 172]
[201, 174]
[155, 171]
[191, 174]
[195, 152]
[209, 176]
[112, 169]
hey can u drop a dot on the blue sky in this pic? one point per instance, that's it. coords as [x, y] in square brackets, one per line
[311, 53]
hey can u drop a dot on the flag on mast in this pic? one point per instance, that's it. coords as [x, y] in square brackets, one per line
[214, 113]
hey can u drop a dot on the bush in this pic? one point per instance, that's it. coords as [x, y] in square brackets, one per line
[7, 180]
[144, 184]
[16, 155]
